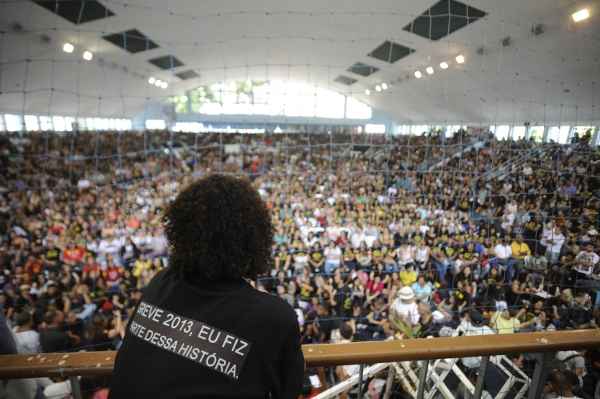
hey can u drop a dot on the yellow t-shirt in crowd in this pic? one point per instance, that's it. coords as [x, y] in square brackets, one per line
[141, 265]
[504, 326]
[520, 251]
[408, 277]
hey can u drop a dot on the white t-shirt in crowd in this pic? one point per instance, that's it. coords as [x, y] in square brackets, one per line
[503, 251]
[586, 262]
[356, 238]
[28, 342]
[333, 232]
[553, 239]
[422, 254]
[575, 360]
[333, 255]
[408, 310]
[370, 236]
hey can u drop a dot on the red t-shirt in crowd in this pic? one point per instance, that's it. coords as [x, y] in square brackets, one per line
[113, 275]
[322, 221]
[33, 267]
[374, 287]
[57, 229]
[91, 267]
[73, 255]
[133, 223]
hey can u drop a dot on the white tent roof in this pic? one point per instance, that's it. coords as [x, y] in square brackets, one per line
[548, 77]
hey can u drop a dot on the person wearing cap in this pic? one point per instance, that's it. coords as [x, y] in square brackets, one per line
[405, 306]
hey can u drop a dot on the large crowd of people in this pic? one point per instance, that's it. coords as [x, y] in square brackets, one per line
[374, 236]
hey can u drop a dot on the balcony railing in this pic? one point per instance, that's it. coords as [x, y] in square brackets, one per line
[382, 354]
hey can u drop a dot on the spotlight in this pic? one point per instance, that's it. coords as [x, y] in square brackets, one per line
[377, 88]
[151, 80]
[444, 65]
[418, 74]
[429, 70]
[384, 86]
[164, 85]
[158, 83]
[581, 15]
[460, 59]
[68, 48]
[368, 92]
[88, 55]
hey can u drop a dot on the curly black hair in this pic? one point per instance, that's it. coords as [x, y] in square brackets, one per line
[218, 228]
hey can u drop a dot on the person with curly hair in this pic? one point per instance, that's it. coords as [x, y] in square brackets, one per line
[201, 330]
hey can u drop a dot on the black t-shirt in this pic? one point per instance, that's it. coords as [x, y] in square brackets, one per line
[343, 299]
[54, 340]
[218, 340]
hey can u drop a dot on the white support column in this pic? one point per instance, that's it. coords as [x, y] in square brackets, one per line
[570, 135]
[545, 136]
[594, 141]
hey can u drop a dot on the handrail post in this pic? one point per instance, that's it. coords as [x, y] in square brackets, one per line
[422, 379]
[536, 388]
[360, 380]
[389, 382]
[481, 377]
[75, 387]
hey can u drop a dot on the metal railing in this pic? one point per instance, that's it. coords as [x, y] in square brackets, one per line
[382, 355]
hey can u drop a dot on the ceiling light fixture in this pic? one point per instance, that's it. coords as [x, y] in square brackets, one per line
[444, 65]
[377, 88]
[68, 48]
[164, 85]
[581, 15]
[429, 70]
[88, 55]
[460, 59]
[151, 80]
[158, 83]
[418, 74]
[368, 92]
[384, 86]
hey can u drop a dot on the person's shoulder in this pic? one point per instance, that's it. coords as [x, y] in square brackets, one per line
[162, 275]
[28, 334]
[272, 307]
[158, 282]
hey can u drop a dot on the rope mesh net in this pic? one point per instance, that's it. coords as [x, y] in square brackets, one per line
[494, 212]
